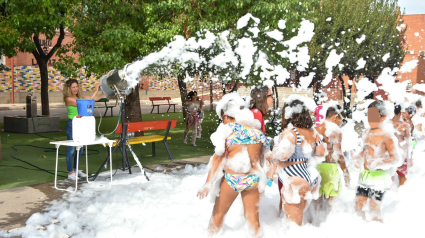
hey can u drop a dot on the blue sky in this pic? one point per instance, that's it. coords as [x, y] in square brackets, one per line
[412, 6]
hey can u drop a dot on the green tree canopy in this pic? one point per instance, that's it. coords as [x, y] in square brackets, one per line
[22, 23]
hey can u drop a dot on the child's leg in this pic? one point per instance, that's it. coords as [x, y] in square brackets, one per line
[251, 199]
[194, 134]
[295, 211]
[222, 204]
[185, 134]
[375, 209]
[360, 203]
[401, 179]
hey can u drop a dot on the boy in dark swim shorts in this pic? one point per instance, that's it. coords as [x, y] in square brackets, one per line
[379, 158]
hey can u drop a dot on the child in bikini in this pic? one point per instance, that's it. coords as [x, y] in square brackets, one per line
[236, 166]
[379, 160]
[404, 141]
[330, 172]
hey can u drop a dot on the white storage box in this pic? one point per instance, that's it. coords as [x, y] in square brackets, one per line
[84, 129]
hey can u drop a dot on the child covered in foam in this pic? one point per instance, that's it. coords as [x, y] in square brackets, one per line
[238, 164]
[379, 160]
[296, 153]
[402, 132]
[333, 169]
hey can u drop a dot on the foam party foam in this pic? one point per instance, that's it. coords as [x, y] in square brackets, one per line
[133, 207]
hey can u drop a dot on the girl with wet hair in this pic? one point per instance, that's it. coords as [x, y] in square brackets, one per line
[261, 102]
[71, 92]
[293, 154]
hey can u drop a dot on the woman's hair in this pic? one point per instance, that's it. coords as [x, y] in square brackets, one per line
[191, 94]
[411, 110]
[418, 103]
[259, 99]
[299, 118]
[379, 104]
[67, 89]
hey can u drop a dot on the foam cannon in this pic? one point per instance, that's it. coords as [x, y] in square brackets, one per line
[115, 82]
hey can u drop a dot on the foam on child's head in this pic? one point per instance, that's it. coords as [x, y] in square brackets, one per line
[231, 104]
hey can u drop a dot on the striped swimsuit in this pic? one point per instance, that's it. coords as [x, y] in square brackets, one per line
[299, 170]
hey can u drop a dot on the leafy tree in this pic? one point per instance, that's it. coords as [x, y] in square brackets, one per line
[109, 34]
[22, 23]
[364, 30]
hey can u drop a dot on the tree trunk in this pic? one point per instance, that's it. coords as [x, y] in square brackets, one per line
[344, 94]
[42, 57]
[183, 94]
[318, 89]
[235, 87]
[44, 77]
[350, 86]
[133, 112]
[276, 99]
[211, 95]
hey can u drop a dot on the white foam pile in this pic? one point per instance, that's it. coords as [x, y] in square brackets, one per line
[167, 205]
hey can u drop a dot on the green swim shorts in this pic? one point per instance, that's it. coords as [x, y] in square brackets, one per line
[378, 180]
[330, 183]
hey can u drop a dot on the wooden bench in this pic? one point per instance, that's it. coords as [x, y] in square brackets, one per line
[153, 99]
[150, 126]
[105, 100]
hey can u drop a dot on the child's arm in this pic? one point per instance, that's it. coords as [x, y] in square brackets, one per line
[408, 139]
[285, 148]
[341, 160]
[320, 147]
[216, 166]
[270, 166]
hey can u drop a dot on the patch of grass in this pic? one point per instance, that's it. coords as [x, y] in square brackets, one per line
[37, 150]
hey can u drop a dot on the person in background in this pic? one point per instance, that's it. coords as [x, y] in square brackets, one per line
[193, 107]
[403, 134]
[261, 102]
[193, 96]
[408, 113]
[72, 92]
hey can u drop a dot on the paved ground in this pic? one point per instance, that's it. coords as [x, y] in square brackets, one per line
[18, 204]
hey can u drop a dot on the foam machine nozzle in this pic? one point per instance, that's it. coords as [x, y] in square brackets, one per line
[115, 82]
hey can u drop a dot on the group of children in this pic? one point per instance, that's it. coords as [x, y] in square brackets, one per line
[308, 161]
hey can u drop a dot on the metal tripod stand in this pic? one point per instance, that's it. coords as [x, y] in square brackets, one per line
[121, 144]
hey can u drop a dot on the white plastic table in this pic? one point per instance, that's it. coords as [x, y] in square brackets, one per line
[78, 146]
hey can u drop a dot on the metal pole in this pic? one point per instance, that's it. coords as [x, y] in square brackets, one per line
[13, 80]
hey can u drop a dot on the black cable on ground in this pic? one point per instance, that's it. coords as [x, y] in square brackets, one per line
[47, 149]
